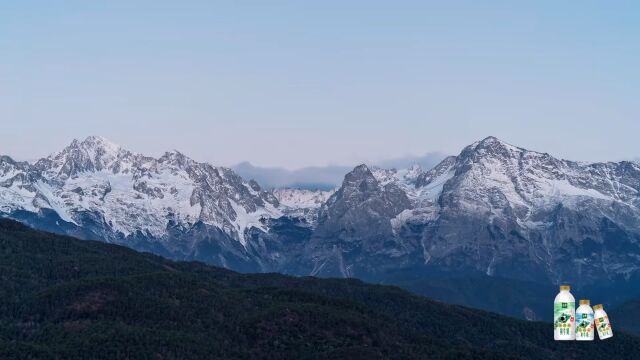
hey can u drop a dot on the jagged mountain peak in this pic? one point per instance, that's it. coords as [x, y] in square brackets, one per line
[360, 179]
[176, 158]
[94, 153]
[95, 140]
[492, 141]
[174, 152]
[92, 145]
[361, 169]
[493, 151]
[7, 159]
[490, 147]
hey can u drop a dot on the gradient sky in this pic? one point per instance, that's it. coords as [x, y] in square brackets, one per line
[296, 83]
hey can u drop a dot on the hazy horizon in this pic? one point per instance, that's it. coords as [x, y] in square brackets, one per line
[401, 161]
[293, 84]
[426, 160]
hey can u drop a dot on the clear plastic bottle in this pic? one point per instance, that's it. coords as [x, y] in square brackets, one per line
[564, 315]
[602, 323]
[584, 321]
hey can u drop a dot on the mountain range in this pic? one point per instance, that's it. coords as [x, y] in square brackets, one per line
[494, 211]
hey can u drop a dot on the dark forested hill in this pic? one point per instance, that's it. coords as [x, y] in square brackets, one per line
[62, 298]
[626, 316]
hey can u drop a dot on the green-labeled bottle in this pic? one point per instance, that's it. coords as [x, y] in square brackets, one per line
[564, 315]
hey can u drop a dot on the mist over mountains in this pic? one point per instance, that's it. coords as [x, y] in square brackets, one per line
[324, 177]
[309, 178]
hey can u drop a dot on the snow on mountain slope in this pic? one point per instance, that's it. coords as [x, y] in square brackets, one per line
[526, 180]
[134, 194]
[491, 171]
[529, 215]
[301, 203]
[300, 198]
[494, 208]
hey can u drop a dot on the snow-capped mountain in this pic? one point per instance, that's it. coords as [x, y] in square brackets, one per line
[97, 189]
[301, 202]
[495, 208]
[131, 193]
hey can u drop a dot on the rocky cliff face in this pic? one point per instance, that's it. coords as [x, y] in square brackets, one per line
[354, 228]
[494, 208]
[525, 214]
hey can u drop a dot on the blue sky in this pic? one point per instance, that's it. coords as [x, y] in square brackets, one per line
[297, 83]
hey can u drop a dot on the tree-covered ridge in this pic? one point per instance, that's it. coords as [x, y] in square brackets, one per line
[63, 298]
[626, 316]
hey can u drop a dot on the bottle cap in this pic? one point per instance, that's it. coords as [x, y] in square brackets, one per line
[585, 302]
[597, 307]
[565, 287]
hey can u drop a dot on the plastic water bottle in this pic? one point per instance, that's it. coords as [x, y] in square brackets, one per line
[602, 323]
[584, 321]
[564, 315]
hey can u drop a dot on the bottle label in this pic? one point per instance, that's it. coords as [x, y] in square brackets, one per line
[604, 326]
[584, 326]
[564, 318]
